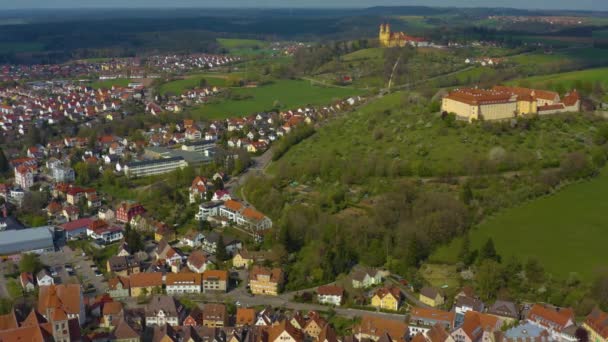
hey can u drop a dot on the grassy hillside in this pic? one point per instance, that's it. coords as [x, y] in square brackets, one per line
[286, 94]
[426, 147]
[565, 231]
[568, 80]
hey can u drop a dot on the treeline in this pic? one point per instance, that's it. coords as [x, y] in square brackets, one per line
[299, 133]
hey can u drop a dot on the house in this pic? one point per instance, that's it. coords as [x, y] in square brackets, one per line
[27, 281]
[198, 189]
[112, 312]
[245, 317]
[145, 283]
[197, 262]
[210, 242]
[377, 328]
[215, 281]
[163, 310]
[506, 311]
[66, 299]
[387, 298]
[181, 283]
[124, 332]
[221, 195]
[474, 326]
[431, 297]
[465, 304]
[245, 258]
[207, 210]
[330, 294]
[168, 254]
[162, 231]
[44, 278]
[193, 239]
[313, 326]
[596, 324]
[422, 319]
[127, 210]
[104, 233]
[123, 265]
[526, 331]
[363, 277]
[215, 315]
[554, 319]
[265, 281]
[38, 328]
[284, 332]
[194, 318]
[119, 287]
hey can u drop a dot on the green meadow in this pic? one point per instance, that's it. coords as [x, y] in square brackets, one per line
[566, 232]
[283, 94]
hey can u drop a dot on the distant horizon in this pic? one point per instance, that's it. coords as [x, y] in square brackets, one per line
[565, 5]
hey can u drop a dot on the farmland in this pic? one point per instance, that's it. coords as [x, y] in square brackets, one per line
[565, 232]
[284, 94]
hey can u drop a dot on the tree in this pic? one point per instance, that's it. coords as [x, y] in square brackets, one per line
[488, 251]
[220, 253]
[14, 289]
[4, 165]
[467, 194]
[489, 279]
[133, 239]
[599, 289]
[6, 305]
[534, 271]
[30, 263]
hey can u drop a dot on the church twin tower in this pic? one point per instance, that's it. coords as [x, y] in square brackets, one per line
[385, 35]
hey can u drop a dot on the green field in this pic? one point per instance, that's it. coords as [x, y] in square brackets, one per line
[179, 86]
[286, 94]
[107, 84]
[566, 232]
[568, 80]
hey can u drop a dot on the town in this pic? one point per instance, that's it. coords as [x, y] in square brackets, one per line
[410, 174]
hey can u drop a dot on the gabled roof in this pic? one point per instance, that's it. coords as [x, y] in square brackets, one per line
[330, 290]
[146, 279]
[377, 326]
[560, 318]
[245, 316]
[598, 321]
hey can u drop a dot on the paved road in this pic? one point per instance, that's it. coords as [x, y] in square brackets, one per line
[257, 168]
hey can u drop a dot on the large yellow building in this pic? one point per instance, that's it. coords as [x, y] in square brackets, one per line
[387, 299]
[265, 281]
[503, 102]
[397, 39]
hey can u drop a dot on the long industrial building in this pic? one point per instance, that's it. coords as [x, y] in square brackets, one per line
[33, 240]
[154, 166]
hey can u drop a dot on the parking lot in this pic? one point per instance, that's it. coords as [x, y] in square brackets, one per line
[83, 272]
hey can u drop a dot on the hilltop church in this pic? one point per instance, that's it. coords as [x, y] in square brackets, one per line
[398, 39]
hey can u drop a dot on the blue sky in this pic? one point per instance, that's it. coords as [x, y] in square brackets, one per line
[529, 4]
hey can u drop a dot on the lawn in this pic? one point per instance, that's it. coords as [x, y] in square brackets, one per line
[441, 276]
[107, 84]
[566, 232]
[285, 94]
[179, 86]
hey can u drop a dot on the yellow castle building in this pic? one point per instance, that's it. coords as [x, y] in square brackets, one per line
[397, 39]
[502, 102]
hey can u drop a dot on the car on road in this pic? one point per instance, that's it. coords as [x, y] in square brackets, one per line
[98, 274]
